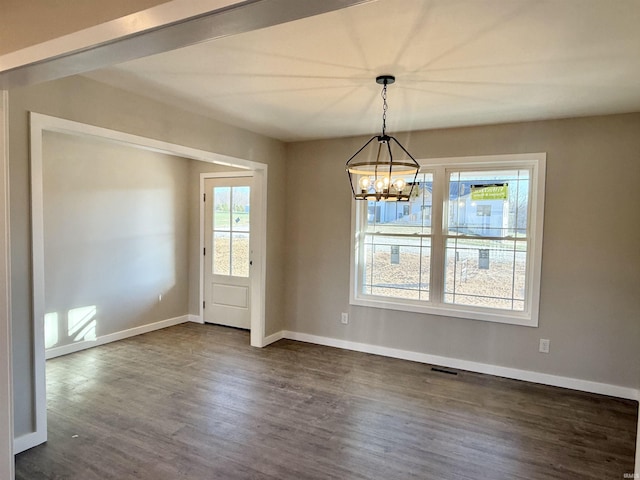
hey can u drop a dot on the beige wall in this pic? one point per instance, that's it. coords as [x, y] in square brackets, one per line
[91, 102]
[116, 235]
[591, 260]
[26, 23]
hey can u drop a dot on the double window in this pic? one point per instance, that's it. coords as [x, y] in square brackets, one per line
[467, 244]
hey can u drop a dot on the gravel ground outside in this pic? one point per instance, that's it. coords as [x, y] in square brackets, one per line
[493, 287]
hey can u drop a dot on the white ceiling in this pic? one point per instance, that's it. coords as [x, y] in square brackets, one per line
[457, 63]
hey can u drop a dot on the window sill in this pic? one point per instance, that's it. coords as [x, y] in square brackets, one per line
[496, 316]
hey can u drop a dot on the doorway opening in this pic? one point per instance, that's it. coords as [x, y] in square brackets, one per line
[43, 123]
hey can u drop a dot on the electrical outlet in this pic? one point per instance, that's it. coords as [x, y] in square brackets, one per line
[544, 345]
[160, 297]
[345, 318]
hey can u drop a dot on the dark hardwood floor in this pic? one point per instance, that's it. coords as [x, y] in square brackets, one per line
[196, 402]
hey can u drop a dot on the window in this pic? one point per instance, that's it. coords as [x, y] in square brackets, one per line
[467, 244]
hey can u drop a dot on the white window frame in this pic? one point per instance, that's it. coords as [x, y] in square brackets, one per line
[536, 162]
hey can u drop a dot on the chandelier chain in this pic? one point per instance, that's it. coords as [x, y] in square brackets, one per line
[384, 109]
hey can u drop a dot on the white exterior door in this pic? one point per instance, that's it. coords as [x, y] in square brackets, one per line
[227, 254]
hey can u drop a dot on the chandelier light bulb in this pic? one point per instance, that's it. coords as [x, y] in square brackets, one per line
[399, 184]
[365, 183]
[379, 185]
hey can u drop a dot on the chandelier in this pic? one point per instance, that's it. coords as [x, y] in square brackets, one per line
[385, 173]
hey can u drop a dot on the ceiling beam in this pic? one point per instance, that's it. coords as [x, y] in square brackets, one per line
[238, 18]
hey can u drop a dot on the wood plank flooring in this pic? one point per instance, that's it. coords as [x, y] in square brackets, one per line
[197, 402]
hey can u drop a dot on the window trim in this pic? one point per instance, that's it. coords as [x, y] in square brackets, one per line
[436, 306]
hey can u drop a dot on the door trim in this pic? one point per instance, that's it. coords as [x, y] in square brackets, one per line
[40, 123]
[258, 278]
[6, 381]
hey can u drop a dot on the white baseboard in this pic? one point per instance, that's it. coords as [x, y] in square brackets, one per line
[273, 338]
[27, 441]
[112, 337]
[507, 372]
[517, 374]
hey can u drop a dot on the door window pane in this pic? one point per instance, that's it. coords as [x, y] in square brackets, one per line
[221, 208]
[240, 215]
[221, 253]
[240, 259]
[231, 227]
